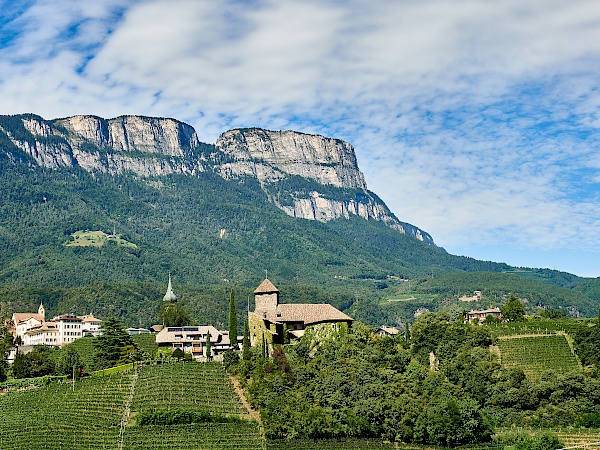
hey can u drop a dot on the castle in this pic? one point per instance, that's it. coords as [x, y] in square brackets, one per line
[271, 320]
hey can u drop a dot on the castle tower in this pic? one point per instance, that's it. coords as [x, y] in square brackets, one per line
[266, 296]
[170, 295]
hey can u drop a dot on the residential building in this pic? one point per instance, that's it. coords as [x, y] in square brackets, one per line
[386, 331]
[91, 326]
[194, 340]
[477, 316]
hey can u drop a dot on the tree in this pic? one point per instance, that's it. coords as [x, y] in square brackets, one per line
[110, 344]
[34, 364]
[208, 350]
[232, 322]
[173, 315]
[513, 310]
[69, 359]
[246, 355]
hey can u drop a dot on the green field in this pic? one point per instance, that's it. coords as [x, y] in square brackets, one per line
[99, 412]
[538, 354]
[96, 239]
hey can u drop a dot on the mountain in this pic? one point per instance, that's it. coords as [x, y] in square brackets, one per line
[307, 176]
[115, 204]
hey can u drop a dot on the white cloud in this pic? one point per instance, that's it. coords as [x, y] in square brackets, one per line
[474, 120]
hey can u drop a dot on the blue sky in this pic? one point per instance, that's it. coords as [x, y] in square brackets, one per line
[476, 121]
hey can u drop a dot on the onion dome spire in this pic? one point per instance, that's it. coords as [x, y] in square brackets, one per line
[170, 295]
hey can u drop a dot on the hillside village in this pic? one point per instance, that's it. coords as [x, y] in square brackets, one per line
[393, 379]
[271, 323]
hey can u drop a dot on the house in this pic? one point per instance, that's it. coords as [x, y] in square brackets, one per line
[194, 340]
[386, 331]
[133, 331]
[476, 316]
[33, 329]
[270, 319]
[69, 328]
[476, 297]
[22, 322]
[90, 326]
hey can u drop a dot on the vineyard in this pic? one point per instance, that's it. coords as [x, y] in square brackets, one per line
[94, 413]
[537, 354]
[568, 326]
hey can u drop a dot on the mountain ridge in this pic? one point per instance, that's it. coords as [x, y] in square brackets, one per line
[151, 146]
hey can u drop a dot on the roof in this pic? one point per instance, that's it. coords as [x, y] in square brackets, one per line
[90, 318]
[66, 318]
[45, 327]
[170, 295]
[389, 330]
[266, 287]
[307, 313]
[167, 335]
[485, 311]
[21, 317]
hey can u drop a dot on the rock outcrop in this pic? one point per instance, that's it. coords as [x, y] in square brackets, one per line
[307, 176]
[272, 155]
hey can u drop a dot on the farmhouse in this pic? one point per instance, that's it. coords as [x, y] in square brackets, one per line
[386, 331]
[271, 320]
[476, 316]
[194, 340]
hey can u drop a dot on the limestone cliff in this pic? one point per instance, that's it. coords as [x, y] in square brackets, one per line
[307, 176]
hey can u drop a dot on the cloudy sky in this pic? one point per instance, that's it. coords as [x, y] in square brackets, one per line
[475, 120]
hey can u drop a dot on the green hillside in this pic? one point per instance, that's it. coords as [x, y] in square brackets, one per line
[213, 234]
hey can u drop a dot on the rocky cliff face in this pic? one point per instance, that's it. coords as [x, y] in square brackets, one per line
[272, 155]
[307, 176]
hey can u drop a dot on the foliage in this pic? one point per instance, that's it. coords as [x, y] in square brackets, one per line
[230, 358]
[70, 362]
[36, 363]
[587, 343]
[112, 344]
[173, 315]
[232, 321]
[246, 341]
[363, 386]
[513, 310]
[181, 417]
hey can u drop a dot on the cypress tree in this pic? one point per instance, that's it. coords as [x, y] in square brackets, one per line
[208, 350]
[246, 342]
[232, 322]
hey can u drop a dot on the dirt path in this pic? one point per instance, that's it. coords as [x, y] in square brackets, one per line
[240, 392]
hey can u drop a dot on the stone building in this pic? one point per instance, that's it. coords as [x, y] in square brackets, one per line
[271, 320]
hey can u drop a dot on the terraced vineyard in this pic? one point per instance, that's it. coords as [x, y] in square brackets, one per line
[58, 416]
[568, 326]
[536, 354]
[192, 386]
[94, 414]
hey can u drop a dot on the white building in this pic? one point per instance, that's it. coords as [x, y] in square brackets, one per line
[33, 329]
[90, 326]
[70, 328]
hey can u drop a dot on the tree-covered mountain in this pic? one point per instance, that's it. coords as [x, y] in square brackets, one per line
[215, 216]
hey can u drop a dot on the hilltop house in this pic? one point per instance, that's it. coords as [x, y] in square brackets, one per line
[270, 318]
[477, 317]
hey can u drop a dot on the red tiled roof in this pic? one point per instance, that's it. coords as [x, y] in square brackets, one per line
[266, 287]
[307, 313]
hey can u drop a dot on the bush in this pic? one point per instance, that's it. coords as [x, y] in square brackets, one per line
[181, 417]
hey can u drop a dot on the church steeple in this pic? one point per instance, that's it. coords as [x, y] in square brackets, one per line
[42, 311]
[170, 295]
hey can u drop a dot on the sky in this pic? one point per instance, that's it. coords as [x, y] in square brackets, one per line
[475, 120]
